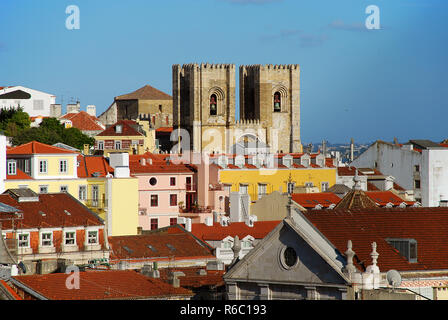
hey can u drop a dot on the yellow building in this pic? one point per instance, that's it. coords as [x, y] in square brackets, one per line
[126, 136]
[108, 191]
[289, 172]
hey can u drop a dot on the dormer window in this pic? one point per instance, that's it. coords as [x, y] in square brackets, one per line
[12, 168]
[406, 247]
[213, 105]
[277, 102]
[118, 128]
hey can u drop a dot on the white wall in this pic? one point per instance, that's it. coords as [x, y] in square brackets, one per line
[393, 161]
[28, 104]
[434, 176]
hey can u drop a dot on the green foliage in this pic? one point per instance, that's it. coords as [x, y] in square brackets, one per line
[16, 124]
[13, 121]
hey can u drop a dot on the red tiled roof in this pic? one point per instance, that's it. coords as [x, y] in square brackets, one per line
[250, 166]
[348, 171]
[165, 129]
[127, 129]
[193, 279]
[35, 147]
[398, 187]
[19, 176]
[53, 205]
[310, 200]
[145, 93]
[184, 244]
[240, 229]
[83, 121]
[372, 187]
[101, 285]
[384, 197]
[9, 289]
[93, 164]
[155, 157]
[137, 167]
[428, 226]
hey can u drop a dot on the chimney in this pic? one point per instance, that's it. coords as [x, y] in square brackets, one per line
[72, 108]
[55, 110]
[86, 149]
[149, 271]
[91, 110]
[188, 224]
[174, 278]
[209, 221]
[120, 162]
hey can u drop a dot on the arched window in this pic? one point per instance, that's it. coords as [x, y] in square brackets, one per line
[213, 105]
[277, 102]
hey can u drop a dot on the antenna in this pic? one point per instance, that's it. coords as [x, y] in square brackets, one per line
[393, 278]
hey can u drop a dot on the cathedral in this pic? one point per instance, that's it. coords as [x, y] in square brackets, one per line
[204, 105]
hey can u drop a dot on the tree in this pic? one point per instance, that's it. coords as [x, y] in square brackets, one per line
[14, 120]
[51, 131]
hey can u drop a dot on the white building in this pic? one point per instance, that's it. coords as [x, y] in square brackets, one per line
[419, 165]
[35, 103]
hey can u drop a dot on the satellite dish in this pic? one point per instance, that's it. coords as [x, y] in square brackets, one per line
[393, 277]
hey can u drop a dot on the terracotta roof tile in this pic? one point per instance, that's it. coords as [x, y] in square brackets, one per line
[154, 244]
[35, 147]
[385, 197]
[310, 200]
[356, 199]
[102, 285]
[19, 176]
[428, 226]
[193, 279]
[83, 121]
[90, 165]
[240, 229]
[145, 93]
[165, 129]
[128, 129]
[137, 167]
[53, 205]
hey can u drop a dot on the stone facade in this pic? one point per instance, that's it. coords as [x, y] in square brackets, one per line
[204, 105]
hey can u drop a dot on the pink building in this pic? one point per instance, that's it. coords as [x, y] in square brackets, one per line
[211, 193]
[166, 190]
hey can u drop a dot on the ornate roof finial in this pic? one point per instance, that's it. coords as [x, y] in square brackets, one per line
[236, 249]
[350, 268]
[357, 181]
[374, 254]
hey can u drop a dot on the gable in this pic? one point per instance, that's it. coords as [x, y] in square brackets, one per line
[266, 262]
[17, 94]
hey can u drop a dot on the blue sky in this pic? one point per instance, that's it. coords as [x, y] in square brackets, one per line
[355, 82]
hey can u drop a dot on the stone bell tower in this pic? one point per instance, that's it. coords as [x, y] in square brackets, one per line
[204, 103]
[271, 94]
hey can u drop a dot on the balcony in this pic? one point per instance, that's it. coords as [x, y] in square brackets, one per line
[190, 187]
[195, 209]
[98, 206]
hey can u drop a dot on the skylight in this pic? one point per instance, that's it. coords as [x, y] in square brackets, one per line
[127, 249]
[170, 246]
[151, 247]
